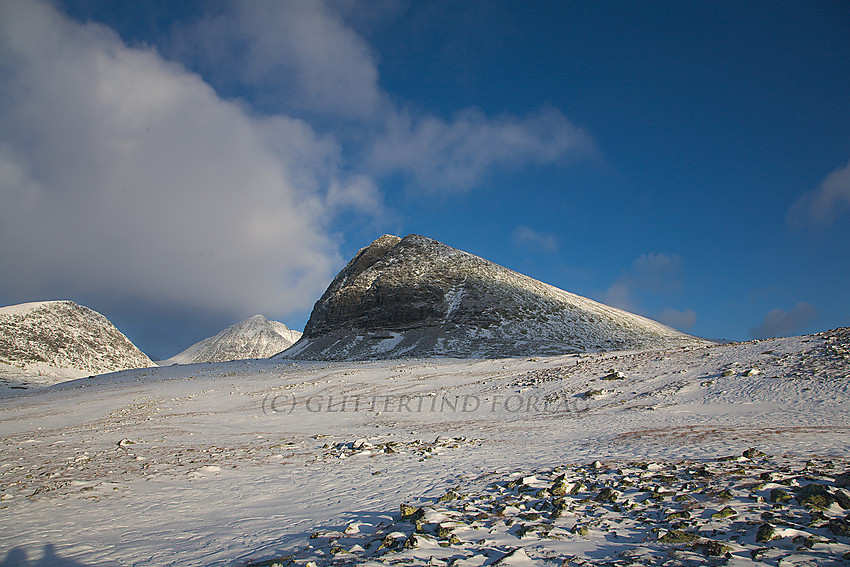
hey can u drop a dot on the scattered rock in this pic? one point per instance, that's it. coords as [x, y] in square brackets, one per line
[411, 542]
[559, 488]
[516, 556]
[843, 480]
[765, 533]
[614, 375]
[524, 507]
[842, 498]
[726, 512]
[594, 393]
[715, 548]
[779, 495]
[840, 527]
[678, 536]
[607, 495]
[814, 496]
[450, 495]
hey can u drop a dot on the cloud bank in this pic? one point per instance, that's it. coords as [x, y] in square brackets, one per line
[297, 55]
[120, 172]
[129, 175]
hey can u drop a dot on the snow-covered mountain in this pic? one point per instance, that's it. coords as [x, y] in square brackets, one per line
[416, 297]
[256, 337]
[726, 455]
[61, 339]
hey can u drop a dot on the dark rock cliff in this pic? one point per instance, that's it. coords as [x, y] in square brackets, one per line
[416, 297]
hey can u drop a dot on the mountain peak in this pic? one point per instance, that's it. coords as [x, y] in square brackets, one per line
[63, 339]
[255, 337]
[415, 296]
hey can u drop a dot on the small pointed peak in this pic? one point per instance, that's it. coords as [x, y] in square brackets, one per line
[371, 254]
[385, 240]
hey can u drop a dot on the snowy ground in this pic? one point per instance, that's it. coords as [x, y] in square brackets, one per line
[239, 463]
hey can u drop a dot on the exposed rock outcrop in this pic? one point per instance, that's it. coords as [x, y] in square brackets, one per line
[416, 297]
[63, 339]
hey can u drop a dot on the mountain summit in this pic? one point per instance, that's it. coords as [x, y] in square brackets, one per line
[62, 339]
[256, 337]
[416, 297]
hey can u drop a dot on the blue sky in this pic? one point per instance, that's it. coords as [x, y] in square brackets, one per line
[182, 166]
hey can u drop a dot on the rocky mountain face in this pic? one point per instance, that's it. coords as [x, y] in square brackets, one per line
[256, 337]
[63, 339]
[416, 297]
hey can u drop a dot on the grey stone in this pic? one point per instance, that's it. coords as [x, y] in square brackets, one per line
[843, 480]
[765, 533]
[840, 527]
[607, 495]
[814, 496]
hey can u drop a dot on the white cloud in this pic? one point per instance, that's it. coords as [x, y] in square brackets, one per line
[303, 55]
[299, 53]
[359, 193]
[455, 155]
[529, 238]
[122, 174]
[826, 204]
[681, 320]
[780, 323]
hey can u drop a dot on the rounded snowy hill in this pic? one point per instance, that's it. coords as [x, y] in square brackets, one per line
[417, 297]
[256, 337]
[62, 339]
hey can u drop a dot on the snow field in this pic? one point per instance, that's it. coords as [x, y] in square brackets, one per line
[225, 464]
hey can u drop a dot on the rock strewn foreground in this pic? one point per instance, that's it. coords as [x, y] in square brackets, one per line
[738, 508]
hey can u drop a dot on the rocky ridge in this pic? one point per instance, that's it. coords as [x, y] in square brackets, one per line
[256, 337]
[61, 339]
[417, 297]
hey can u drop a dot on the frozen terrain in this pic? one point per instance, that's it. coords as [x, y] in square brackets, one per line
[255, 337]
[51, 341]
[241, 463]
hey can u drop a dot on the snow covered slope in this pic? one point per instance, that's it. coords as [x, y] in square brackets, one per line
[619, 458]
[256, 337]
[60, 340]
[416, 297]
